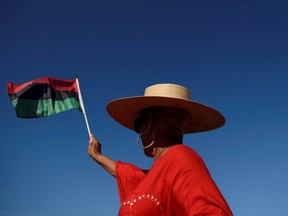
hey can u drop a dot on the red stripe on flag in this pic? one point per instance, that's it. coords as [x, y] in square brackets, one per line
[58, 84]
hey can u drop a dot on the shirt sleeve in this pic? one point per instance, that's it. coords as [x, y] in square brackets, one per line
[195, 192]
[128, 178]
[199, 198]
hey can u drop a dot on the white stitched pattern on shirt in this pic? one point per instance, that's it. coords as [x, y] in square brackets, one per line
[144, 196]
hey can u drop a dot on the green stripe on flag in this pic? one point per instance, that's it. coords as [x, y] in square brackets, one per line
[26, 108]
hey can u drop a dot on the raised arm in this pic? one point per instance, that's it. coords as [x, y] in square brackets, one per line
[94, 150]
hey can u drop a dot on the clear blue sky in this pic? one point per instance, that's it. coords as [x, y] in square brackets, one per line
[232, 55]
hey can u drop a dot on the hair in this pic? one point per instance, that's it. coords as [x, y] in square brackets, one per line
[172, 120]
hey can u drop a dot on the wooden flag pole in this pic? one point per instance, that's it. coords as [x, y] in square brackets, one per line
[83, 108]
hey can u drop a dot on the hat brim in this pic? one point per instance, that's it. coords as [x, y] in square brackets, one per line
[203, 118]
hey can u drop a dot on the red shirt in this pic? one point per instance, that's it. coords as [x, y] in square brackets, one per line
[178, 184]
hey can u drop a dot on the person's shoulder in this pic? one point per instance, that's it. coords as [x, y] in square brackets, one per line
[185, 154]
[181, 149]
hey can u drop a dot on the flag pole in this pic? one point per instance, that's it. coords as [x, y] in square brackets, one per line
[83, 108]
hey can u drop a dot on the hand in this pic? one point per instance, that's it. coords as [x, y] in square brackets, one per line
[94, 148]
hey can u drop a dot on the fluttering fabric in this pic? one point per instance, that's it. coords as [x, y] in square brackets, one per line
[44, 97]
[178, 184]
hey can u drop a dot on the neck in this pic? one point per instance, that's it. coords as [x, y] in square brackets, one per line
[163, 143]
[159, 151]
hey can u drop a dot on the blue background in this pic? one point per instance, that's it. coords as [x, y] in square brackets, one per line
[232, 55]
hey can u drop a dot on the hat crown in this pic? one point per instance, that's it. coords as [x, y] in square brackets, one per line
[168, 90]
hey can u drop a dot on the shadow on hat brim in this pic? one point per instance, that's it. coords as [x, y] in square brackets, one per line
[203, 118]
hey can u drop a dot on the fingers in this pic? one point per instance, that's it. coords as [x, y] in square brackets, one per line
[91, 145]
[93, 139]
[94, 147]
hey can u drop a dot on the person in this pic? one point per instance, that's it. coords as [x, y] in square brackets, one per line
[178, 183]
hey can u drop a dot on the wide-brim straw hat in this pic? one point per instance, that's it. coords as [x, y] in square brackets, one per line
[203, 118]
